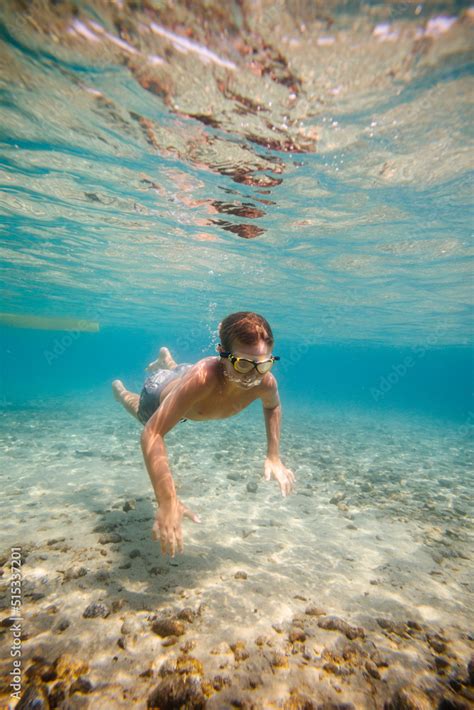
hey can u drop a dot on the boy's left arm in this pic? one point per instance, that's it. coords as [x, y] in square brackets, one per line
[273, 467]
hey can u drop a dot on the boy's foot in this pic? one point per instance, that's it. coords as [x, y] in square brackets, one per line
[164, 361]
[118, 388]
[129, 400]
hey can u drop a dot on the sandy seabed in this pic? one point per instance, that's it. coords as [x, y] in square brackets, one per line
[354, 593]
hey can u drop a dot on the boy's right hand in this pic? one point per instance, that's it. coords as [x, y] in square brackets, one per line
[167, 527]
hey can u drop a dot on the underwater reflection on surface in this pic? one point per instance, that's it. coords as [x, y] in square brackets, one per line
[340, 138]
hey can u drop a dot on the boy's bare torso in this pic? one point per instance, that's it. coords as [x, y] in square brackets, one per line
[220, 399]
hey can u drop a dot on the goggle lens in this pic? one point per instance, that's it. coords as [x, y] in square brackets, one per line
[243, 366]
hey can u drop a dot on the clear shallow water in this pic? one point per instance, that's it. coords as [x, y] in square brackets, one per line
[382, 466]
[378, 529]
[162, 167]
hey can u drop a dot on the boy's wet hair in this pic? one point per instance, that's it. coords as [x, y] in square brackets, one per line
[246, 326]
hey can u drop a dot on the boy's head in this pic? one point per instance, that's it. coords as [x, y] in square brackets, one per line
[246, 335]
[247, 327]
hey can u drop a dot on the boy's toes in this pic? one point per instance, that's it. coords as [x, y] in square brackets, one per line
[164, 360]
[117, 388]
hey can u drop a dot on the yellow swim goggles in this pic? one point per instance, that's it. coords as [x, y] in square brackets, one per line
[244, 366]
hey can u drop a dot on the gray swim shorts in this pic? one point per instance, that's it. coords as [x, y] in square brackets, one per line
[154, 385]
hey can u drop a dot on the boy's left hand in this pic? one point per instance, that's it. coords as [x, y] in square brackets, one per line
[273, 468]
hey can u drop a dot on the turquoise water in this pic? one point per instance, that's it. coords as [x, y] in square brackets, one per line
[163, 166]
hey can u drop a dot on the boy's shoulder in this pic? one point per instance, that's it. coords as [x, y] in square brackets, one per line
[207, 369]
[268, 391]
[269, 383]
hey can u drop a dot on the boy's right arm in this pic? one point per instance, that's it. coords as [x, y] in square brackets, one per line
[175, 406]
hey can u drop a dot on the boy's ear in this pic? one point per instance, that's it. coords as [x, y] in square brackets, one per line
[218, 347]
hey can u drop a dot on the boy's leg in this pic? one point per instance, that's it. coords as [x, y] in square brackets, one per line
[164, 361]
[129, 400]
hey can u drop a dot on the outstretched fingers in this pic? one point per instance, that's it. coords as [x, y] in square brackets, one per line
[189, 514]
[169, 531]
[167, 543]
[287, 488]
[155, 531]
[290, 481]
[179, 539]
[163, 543]
[267, 472]
[160, 533]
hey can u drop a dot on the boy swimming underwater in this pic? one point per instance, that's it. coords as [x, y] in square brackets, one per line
[213, 388]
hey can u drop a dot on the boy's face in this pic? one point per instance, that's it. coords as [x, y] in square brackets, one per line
[259, 352]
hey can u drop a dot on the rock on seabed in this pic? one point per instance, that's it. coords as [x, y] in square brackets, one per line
[168, 627]
[176, 691]
[95, 609]
[334, 623]
[409, 698]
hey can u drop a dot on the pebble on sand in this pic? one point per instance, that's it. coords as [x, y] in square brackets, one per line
[394, 627]
[34, 696]
[187, 614]
[95, 609]
[62, 625]
[177, 691]
[108, 538]
[239, 650]
[81, 685]
[170, 640]
[74, 573]
[436, 642]
[334, 623]
[372, 669]
[296, 634]
[409, 698]
[168, 627]
[313, 610]
[221, 648]
[470, 671]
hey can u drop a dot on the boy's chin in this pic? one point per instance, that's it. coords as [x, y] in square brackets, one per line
[248, 385]
[242, 383]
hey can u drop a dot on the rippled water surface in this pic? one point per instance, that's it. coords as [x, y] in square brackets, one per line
[323, 154]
